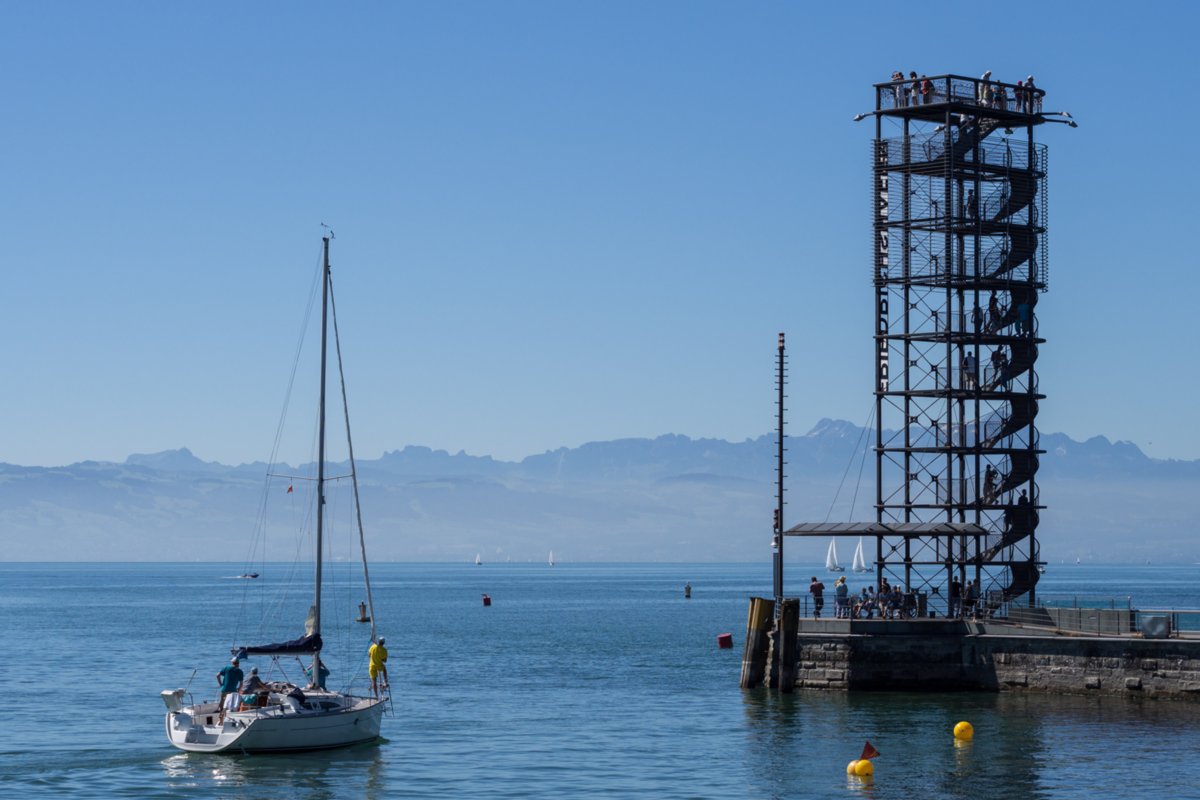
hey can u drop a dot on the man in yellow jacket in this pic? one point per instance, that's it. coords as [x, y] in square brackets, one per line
[377, 665]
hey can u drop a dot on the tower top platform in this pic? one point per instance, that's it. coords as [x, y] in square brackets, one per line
[931, 98]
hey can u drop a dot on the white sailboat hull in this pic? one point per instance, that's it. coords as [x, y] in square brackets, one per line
[327, 720]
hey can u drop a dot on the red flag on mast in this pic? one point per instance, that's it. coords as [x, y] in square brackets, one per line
[868, 752]
[289, 491]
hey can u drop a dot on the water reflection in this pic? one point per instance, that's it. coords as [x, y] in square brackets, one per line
[861, 786]
[315, 776]
[798, 743]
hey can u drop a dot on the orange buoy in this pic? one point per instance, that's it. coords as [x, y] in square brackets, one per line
[487, 599]
[725, 640]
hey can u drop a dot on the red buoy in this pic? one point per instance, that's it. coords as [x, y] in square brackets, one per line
[487, 600]
[725, 641]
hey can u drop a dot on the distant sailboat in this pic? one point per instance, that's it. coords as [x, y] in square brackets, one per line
[831, 559]
[552, 558]
[859, 564]
[478, 560]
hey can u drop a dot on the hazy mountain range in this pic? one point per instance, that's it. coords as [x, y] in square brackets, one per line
[672, 499]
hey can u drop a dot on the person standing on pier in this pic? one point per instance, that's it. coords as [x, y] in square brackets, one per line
[972, 599]
[841, 598]
[817, 590]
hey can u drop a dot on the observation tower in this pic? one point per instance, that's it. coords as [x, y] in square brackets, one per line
[958, 216]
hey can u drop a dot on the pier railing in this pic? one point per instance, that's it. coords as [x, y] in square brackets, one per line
[1108, 617]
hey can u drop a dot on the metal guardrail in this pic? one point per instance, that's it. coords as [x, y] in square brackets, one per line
[927, 90]
[1109, 617]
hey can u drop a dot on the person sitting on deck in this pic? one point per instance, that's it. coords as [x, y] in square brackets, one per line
[252, 687]
[862, 608]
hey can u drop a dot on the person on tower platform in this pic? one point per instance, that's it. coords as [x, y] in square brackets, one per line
[1033, 96]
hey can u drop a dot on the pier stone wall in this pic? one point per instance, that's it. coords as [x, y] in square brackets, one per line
[943, 660]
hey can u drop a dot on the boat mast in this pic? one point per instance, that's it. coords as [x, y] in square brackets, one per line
[316, 665]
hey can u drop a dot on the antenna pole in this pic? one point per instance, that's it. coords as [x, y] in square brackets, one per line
[778, 538]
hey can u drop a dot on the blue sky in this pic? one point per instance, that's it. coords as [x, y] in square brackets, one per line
[556, 222]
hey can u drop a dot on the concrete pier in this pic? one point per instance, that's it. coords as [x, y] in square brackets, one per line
[955, 655]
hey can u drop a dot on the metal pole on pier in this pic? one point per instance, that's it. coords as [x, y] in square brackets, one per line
[777, 542]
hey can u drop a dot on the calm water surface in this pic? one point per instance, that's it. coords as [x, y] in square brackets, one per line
[579, 681]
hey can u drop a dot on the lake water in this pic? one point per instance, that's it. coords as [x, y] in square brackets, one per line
[579, 681]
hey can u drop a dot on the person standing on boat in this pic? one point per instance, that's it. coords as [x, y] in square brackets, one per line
[377, 665]
[230, 681]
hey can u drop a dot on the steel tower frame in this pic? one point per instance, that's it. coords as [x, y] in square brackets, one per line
[960, 258]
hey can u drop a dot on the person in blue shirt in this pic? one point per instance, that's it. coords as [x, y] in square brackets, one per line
[841, 598]
[230, 681]
[324, 672]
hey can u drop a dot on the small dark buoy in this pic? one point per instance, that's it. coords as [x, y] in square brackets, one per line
[725, 641]
[487, 600]
[687, 591]
[362, 613]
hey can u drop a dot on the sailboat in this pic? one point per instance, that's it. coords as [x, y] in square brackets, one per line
[478, 560]
[859, 564]
[284, 717]
[831, 559]
[552, 558]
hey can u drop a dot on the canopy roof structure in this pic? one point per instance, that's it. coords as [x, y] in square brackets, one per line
[913, 529]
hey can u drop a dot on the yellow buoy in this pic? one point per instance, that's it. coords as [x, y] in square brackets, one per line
[850, 767]
[963, 730]
[864, 768]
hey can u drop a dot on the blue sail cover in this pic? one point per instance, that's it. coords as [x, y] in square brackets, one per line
[302, 646]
